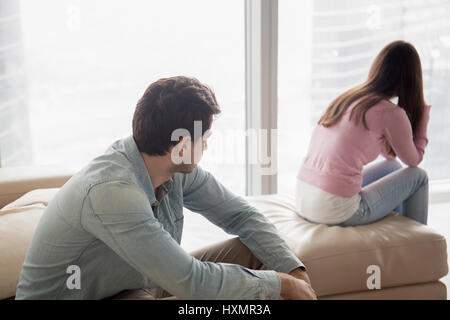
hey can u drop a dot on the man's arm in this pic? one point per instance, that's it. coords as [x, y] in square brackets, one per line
[120, 215]
[202, 193]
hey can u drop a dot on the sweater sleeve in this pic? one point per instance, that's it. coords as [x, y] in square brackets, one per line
[408, 146]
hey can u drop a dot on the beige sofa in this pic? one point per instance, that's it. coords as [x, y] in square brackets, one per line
[410, 257]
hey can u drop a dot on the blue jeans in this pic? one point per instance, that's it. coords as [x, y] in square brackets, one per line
[388, 187]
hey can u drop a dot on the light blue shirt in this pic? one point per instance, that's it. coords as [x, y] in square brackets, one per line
[102, 222]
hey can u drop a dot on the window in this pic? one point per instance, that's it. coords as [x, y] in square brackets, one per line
[14, 126]
[72, 71]
[89, 61]
[326, 47]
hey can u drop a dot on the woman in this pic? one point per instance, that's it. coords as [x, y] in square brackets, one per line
[361, 123]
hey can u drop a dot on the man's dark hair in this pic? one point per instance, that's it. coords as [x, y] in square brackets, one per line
[169, 104]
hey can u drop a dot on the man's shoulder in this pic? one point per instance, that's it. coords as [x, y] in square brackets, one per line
[117, 196]
[104, 175]
[106, 169]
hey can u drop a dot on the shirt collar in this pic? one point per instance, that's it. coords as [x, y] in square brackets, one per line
[131, 151]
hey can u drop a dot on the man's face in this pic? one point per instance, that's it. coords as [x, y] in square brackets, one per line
[195, 150]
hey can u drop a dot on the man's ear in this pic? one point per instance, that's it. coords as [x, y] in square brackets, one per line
[181, 150]
[184, 143]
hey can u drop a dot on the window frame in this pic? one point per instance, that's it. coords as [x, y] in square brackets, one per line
[261, 88]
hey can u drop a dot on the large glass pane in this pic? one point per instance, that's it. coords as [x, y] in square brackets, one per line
[327, 46]
[89, 61]
[14, 126]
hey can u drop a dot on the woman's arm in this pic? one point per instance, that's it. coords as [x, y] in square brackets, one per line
[408, 146]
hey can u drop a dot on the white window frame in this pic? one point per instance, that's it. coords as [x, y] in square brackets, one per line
[261, 64]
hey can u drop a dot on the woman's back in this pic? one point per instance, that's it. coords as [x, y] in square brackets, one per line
[337, 154]
[356, 127]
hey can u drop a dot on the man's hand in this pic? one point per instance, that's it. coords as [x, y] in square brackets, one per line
[295, 289]
[300, 274]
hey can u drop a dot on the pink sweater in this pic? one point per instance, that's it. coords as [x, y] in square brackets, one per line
[337, 154]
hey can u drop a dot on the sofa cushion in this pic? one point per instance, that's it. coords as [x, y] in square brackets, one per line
[16, 181]
[17, 225]
[336, 257]
[38, 197]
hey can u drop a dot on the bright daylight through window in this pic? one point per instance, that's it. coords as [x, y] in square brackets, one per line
[86, 63]
[327, 46]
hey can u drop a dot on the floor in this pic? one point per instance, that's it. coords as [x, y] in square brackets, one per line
[439, 220]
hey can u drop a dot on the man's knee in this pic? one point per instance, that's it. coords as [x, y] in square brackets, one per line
[229, 251]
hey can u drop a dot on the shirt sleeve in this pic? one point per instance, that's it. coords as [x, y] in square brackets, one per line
[409, 147]
[203, 194]
[120, 215]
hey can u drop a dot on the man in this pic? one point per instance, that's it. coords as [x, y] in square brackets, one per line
[113, 230]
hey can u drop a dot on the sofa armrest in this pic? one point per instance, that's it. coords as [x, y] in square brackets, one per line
[16, 181]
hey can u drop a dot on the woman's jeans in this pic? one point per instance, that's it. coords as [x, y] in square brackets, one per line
[389, 187]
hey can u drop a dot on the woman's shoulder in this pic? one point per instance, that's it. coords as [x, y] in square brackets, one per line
[385, 113]
[387, 108]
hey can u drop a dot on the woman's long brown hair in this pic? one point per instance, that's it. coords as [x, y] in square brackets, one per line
[396, 71]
